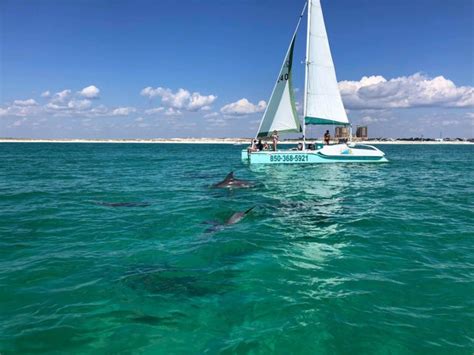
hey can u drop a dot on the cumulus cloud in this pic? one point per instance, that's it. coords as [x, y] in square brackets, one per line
[29, 102]
[123, 111]
[54, 107]
[61, 96]
[79, 104]
[100, 110]
[243, 107]
[90, 92]
[181, 99]
[46, 93]
[417, 90]
[170, 111]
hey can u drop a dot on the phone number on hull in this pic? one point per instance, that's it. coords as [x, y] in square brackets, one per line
[288, 157]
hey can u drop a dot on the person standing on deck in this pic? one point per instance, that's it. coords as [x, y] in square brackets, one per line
[327, 137]
[275, 140]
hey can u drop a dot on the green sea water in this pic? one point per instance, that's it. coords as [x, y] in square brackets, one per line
[334, 259]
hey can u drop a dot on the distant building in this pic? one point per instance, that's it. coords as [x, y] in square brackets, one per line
[342, 132]
[362, 132]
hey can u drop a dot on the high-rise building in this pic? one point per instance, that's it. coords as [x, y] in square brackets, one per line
[362, 132]
[342, 132]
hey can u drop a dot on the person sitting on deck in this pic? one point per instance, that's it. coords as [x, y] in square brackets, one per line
[265, 146]
[259, 145]
[253, 146]
[327, 137]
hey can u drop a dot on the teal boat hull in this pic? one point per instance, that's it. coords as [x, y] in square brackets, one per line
[331, 154]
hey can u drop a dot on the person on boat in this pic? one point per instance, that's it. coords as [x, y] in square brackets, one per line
[275, 139]
[260, 145]
[253, 146]
[327, 137]
[265, 146]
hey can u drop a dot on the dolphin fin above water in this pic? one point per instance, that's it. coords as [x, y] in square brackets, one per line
[230, 176]
[230, 182]
[235, 218]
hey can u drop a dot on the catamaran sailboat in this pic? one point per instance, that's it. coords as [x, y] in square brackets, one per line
[322, 104]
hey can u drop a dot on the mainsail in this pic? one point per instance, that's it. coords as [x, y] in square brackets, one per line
[323, 103]
[281, 114]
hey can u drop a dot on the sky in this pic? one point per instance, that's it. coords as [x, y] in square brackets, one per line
[206, 68]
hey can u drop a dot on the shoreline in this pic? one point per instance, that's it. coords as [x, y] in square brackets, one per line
[236, 141]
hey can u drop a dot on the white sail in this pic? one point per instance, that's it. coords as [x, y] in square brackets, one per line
[281, 114]
[323, 103]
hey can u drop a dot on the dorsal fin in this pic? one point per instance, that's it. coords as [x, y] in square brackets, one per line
[250, 209]
[230, 176]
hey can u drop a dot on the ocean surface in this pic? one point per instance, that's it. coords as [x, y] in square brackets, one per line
[123, 248]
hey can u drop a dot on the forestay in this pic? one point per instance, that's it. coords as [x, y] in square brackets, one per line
[281, 114]
[323, 103]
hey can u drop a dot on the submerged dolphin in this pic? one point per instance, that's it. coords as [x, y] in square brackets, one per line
[235, 218]
[230, 182]
[123, 204]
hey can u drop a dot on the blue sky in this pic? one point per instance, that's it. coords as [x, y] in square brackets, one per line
[224, 56]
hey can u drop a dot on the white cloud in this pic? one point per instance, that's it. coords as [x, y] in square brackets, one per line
[299, 107]
[217, 121]
[46, 93]
[98, 110]
[172, 112]
[211, 114]
[152, 111]
[243, 107]
[198, 101]
[181, 99]
[90, 92]
[123, 111]
[61, 96]
[416, 90]
[29, 102]
[368, 119]
[3, 111]
[55, 107]
[79, 104]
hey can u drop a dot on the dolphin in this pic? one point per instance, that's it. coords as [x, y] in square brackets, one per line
[123, 204]
[235, 218]
[230, 182]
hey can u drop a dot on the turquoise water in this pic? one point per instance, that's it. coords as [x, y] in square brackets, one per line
[364, 259]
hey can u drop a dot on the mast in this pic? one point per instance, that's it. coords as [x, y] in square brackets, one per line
[306, 74]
